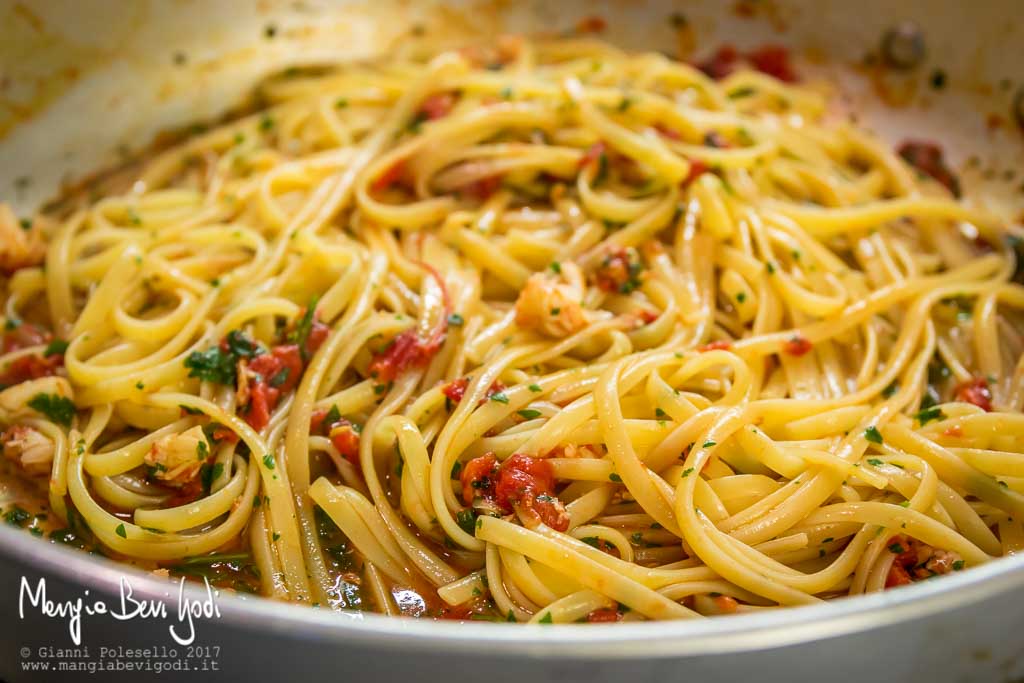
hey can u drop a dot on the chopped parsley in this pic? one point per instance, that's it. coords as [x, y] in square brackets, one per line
[873, 435]
[890, 390]
[212, 365]
[58, 408]
[556, 267]
[499, 396]
[17, 516]
[687, 472]
[529, 414]
[875, 462]
[614, 477]
[896, 549]
[466, 520]
[268, 461]
[535, 388]
[928, 414]
[546, 619]
[300, 335]
[333, 415]
[56, 348]
[120, 531]
[455, 320]
[280, 378]
[745, 91]
[709, 444]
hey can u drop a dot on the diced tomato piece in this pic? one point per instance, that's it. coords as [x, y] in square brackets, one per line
[289, 357]
[647, 316]
[317, 336]
[495, 388]
[438, 105]
[222, 433]
[263, 399]
[593, 154]
[797, 346]
[389, 177]
[29, 367]
[898, 576]
[717, 345]
[615, 271]
[483, 188]
[528, 485]
[956, 431]
[455, 389]
[667, 132]
[726, 603]
[24, 335]
[316, 420]
[266, 365]
[774, 61]
[592, 24]
[605, 614]
[346, 439]
[975, 391]
[697, 167]
[407, 351]
[720, 64]
[927, 157]
[478, 478]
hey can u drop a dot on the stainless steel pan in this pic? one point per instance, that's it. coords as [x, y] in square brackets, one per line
[82, 83]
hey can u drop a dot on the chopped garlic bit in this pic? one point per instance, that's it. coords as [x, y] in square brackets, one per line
[29, 448]
[176, 459]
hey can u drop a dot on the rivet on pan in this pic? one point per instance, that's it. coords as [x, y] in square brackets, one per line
[903, 46]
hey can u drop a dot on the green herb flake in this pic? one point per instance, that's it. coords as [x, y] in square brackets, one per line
[555, 267]
[466, 520]
[546, 619]
[739, 93]
[709, 444]
[929, 414]
[873, 435]
[529, 414]
[535, 388]
[499, 397]
[56, 348]
[614, 477]
[896, 549]
[268, 461]
[456, 320]
[120, 531]
[57, 408]
[17, 516]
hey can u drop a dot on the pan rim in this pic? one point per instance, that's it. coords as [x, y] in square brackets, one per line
[765, 630]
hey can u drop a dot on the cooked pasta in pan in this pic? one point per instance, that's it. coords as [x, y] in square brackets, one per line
[538, 332]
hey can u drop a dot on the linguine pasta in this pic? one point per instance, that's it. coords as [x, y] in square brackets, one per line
[541, 332]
